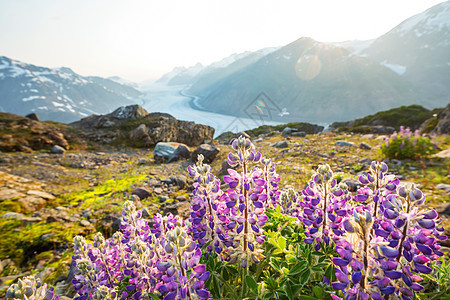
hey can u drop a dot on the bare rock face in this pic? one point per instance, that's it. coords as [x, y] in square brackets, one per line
[134, 126]
[443, 126]
[141, 133]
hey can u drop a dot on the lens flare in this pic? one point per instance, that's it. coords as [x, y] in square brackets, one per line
[258, 109]
[308, 67]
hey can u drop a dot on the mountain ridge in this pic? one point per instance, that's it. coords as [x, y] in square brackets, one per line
[326, 82]
[58, 94]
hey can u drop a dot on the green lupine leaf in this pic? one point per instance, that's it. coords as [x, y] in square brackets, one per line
[251, 283]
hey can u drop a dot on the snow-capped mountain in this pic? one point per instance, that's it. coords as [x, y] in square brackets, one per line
[324, 82]
[123, 81]
[419, 50]
[199, 72]
[311, 81]
[58, 94]
[181, 75]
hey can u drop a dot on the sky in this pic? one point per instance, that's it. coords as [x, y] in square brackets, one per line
[142, 39]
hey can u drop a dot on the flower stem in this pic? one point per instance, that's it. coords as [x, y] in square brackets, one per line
[244, 166]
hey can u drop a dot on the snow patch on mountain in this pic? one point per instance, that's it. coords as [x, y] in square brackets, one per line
[356, 47]
[123, 81]
[435, 18]
[32, 98]
[400, 70]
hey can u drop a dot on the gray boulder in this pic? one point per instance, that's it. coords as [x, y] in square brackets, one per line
[208, 151]
[182, 152]
[57, 150]
[364, 145]
[33, 116]
[179, 180]
[164, 150]
[281, 144]
[142, 193]
[443, 126]
[344, 144]
[299, 133]
[140, 135]
[287, 131]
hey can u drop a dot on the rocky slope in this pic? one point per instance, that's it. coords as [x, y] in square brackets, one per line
[24, 134]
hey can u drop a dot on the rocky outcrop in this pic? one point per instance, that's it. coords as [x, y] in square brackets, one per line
[19, 133]
[33, 116]
[443, 126]
[134, 126]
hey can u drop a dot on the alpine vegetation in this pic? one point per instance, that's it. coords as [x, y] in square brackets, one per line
[248, 238]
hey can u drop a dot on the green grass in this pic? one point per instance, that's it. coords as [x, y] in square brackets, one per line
[409, 116]
[97, 197]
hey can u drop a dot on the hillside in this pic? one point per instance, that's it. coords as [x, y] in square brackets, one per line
[313, 82]
[412, 116]
[317, 82]
[58, 94]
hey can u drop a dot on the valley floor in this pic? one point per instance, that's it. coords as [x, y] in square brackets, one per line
[172, 100]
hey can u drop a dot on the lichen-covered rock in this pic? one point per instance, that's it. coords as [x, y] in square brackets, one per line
[134, 126]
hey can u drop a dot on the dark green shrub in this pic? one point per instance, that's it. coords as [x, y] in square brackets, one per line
[407, 145]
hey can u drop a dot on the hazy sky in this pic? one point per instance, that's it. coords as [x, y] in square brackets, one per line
[142, 39]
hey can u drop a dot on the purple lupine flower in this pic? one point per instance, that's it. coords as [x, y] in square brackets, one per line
[207, 206]
[139, 262]
[393, 246]
[245, 200]
[30, 288]
[324, 207]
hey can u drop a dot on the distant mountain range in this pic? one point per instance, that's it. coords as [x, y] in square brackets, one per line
[312, 81]
[304, 81]
[59, 94]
